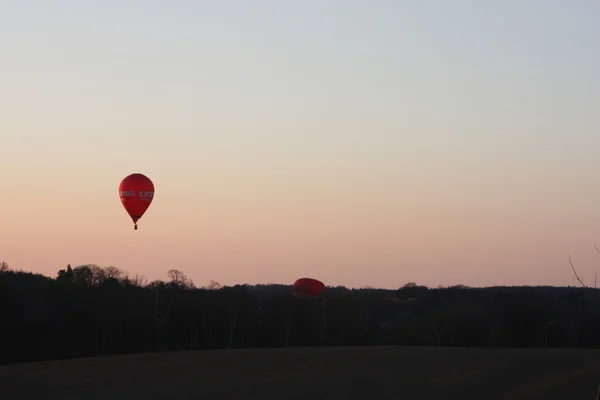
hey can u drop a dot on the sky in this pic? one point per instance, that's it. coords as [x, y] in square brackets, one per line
[362, 143]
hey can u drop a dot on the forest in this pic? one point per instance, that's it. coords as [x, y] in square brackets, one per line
[93, 311]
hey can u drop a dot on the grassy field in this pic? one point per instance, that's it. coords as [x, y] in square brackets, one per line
[314, 373]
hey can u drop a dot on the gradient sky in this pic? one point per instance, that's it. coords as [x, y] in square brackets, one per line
[371, 142]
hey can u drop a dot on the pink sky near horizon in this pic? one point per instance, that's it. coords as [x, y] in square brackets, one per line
[364, 151]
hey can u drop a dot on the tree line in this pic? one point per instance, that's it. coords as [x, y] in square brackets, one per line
[92, 311]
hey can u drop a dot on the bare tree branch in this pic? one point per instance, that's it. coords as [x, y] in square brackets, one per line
[582, 284]
[575, 272]
[596, 276]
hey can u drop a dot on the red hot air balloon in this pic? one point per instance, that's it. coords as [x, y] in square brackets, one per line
[136, 192]
[308, 287]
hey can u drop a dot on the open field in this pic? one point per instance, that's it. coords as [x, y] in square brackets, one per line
[316, 373]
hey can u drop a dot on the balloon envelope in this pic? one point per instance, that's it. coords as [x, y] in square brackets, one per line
[136, 192]
[308, 286]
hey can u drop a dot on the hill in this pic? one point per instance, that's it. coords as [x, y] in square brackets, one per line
[416, 373]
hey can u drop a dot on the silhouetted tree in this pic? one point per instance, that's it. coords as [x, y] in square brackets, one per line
[66, 275]
[179, 280]
[4, 266]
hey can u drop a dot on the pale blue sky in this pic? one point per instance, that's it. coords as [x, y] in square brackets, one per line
[475, 118]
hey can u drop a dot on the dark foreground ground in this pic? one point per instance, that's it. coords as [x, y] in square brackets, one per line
[314, 373]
